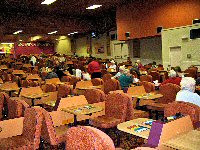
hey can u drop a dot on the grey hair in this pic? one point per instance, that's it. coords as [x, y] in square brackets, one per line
[126, 71]
[172, 73]
[188, 83]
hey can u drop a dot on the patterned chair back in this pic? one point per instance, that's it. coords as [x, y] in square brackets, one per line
[111, 85]
[88, 138]
[49, 88]
[169, 92]
[94, 95]
[106, 77]
[148, 86]
[147, 78]
[97, 81]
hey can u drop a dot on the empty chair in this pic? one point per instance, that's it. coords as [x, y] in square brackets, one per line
[94, 95]
[116, 110]
[49, 88]
[88, 138]
[111, 85]
[184, 108]
[106, 77]
[63, 90]
[148, 86]
[65, 79]
[192, 72]
[30, 138]
[97, 81]
[53, 135]
[147, 78]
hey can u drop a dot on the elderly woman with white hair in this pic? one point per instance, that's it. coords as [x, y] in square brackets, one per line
[125, 79]
[121, 71]
[186, 93]
[172, 78]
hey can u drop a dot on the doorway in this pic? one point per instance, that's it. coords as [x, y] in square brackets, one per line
[175, 56]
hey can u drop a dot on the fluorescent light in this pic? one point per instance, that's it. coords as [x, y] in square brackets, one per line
[7, 43]
[94, 7]
[72, 33]
[48, 2]
[53, 32]
[17, 32]
[75, 32]
[20, 40]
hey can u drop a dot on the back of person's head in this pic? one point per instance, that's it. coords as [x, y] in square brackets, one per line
[154, 63]
[138, 61]
[177, 69]
[172, 74]
[188, 83]
[122, 68]
[126, 71]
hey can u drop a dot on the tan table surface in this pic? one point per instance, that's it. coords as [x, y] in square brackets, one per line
[27, 65]
[83, 110]
[33, 77]
[9, 86]
[3, 67]
[18, 72]
[90, 87]
[1, 81]
[148, 96]
[187, 141]
[35, 95]
[139, 121]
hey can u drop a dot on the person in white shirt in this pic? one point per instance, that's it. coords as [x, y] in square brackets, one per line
[113, 66]
[186, 93]
[33, 60]
[121, 71]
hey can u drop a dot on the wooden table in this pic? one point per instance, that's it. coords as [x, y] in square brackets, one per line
[53, 81]
[18, 72]
[34, 96]
[88, 109]
[3, 67]
[187, 141]
[33, 77]
[9, 87]
[139, 121]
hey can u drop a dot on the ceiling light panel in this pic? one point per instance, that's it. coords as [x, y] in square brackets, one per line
[48, 2]
[53, 32]
[93, 6]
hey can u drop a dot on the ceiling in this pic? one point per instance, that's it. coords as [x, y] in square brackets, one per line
[65, 16]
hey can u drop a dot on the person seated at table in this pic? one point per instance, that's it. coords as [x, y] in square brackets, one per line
[154, 65]
[121, 71]
[186, 93]
[33, 60]
[125, 79]
[172, 78]
[113, 66]
[138, 64]
[51, 75]
[94, 69]
[136, 69]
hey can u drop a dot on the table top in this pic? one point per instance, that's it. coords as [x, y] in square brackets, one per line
[9, 86]
[83, 109]
[18, 72]
[0, 129]
[125, 127]
[187, 141]
[33, 77]
[3, 67]
[27, 65]
[35, 95]
[148, 96]
[89, 87]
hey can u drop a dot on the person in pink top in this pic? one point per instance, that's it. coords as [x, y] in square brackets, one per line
[94, 69]
[172, 78]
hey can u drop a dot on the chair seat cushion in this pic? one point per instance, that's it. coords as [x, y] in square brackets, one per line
[16, 142]
[105, 122]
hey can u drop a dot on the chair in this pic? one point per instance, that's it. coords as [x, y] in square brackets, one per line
[65, 79]
[97, 81]
[63, 90]
[94, 95]
[116, 109]
[184, 108]
[192, 72]
[155, 75]
[30, 138]
[111, 85]
[147, 78]
[106, 77]
[53, 135]
[148, 86]
[49, 88]
[88, 138]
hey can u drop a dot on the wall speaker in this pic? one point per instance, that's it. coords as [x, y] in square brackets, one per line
[195, 21]
[127, 34]
[159, 29]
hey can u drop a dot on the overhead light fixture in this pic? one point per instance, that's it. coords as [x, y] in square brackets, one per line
[93, 6]
[73, 33]
[7, 43]
[17, 32]
[20, 40]
[48, 2]
[53, 32]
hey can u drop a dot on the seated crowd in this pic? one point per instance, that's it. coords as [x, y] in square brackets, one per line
[41, 92]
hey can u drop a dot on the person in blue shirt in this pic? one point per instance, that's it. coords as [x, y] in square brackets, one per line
[125, 79]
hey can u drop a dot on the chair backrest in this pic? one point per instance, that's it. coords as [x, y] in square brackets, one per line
[106, 77]
[169, 92]
[88, 138]
[48, 130]
[111, 85]
[1, 105]
[184, 108]
[94, 95]
[72, 101]
[148, 86]
[192, 72]
[97, 81]
[32, 125]
[49, 88]
[116, 106]
[147, 78]
[155, 75]
[63, 90]
[65, 79]
[74, 80]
